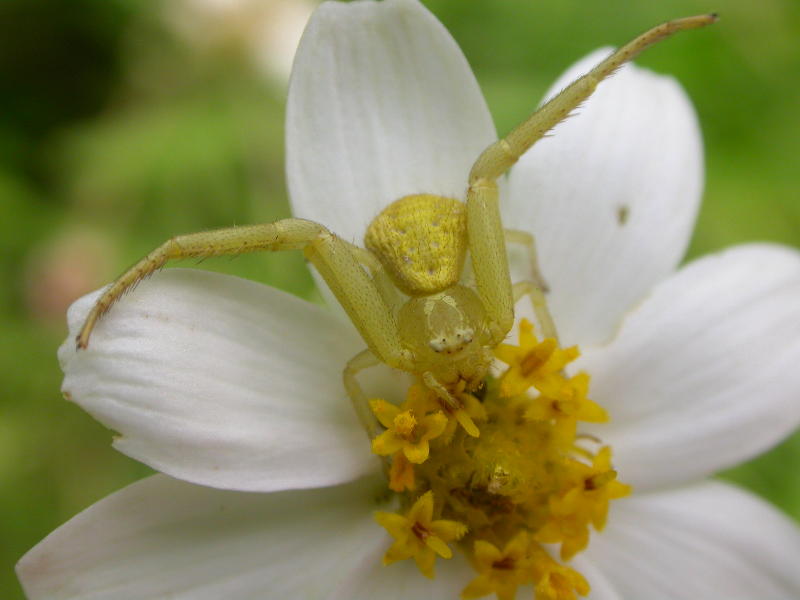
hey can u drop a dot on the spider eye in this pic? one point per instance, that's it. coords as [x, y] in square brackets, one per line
[455, 342]
[438, 345]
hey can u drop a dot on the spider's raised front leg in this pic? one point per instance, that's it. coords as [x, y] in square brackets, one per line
[484, 228]
[333, 257]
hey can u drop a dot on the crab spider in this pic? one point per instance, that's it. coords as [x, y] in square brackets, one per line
[404, 292]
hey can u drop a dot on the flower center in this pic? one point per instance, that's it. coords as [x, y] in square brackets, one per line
[404, 424]
[521, 477]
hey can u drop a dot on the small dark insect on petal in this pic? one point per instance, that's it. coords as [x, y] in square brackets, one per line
[623, 212]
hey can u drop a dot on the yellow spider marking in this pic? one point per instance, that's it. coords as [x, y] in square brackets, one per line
[421, 241]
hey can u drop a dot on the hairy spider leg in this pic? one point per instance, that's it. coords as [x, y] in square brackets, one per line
[484, 227]
[335, 259]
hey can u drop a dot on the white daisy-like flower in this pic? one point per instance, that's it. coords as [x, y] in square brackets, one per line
[233, 390]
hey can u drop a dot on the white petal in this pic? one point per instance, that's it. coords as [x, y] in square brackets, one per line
[611, 197]
[706, 541]
[221, 381]
[602, 588]
[704, 373]
[163, 538]
[382, 104]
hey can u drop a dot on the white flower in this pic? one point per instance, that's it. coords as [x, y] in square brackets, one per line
[235, 388]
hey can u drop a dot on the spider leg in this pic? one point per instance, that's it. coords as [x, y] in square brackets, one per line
[536, 288]
[484, 227]
[534, 292]
[525, 239]
[363, 360]
[380, 278]
[334, 258]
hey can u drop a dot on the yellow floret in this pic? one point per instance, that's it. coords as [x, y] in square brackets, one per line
[532, 363]
[417, 535]
[405, 432]
[563, 398]
[500, 571]
[555, 581]
[582, 502]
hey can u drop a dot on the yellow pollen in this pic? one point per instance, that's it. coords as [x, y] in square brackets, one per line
[404, 424]
[502, 476]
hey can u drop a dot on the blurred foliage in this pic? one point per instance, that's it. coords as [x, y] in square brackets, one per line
[114, 130]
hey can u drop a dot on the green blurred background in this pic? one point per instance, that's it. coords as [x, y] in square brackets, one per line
[124, 122]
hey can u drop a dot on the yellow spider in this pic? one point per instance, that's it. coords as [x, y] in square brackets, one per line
[407, 293]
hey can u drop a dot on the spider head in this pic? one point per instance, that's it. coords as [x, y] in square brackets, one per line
[442, 327]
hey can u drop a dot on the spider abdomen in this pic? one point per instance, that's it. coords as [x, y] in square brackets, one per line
[421, 241]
